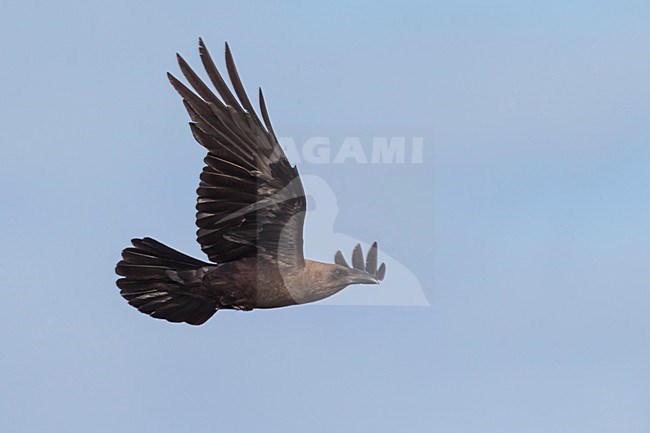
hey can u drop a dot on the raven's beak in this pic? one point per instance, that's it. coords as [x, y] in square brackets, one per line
[361, 277]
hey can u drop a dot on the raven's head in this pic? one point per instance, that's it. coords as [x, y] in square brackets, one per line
[361, 272]
[320, 280]
[341, 276]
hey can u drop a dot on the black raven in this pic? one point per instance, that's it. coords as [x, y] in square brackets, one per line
[250, 213]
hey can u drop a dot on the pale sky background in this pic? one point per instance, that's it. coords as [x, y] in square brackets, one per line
[527, 223]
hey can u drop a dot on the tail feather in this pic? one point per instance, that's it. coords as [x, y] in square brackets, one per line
[157, 280]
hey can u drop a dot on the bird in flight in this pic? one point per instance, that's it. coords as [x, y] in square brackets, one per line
[250, 212]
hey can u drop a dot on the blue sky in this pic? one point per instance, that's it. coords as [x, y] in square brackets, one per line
[526, 224]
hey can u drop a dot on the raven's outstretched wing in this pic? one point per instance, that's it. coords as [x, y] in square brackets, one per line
[250, 200]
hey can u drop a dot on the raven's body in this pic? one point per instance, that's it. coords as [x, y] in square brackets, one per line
[251, 209]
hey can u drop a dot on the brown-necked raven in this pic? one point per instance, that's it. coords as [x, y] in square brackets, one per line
[250, 212]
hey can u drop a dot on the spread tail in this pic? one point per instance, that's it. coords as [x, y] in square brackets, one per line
[158, 281]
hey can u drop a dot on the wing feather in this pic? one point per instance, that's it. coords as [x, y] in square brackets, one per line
[250, 199]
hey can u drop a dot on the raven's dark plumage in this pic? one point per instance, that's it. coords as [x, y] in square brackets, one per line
[250, 213]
